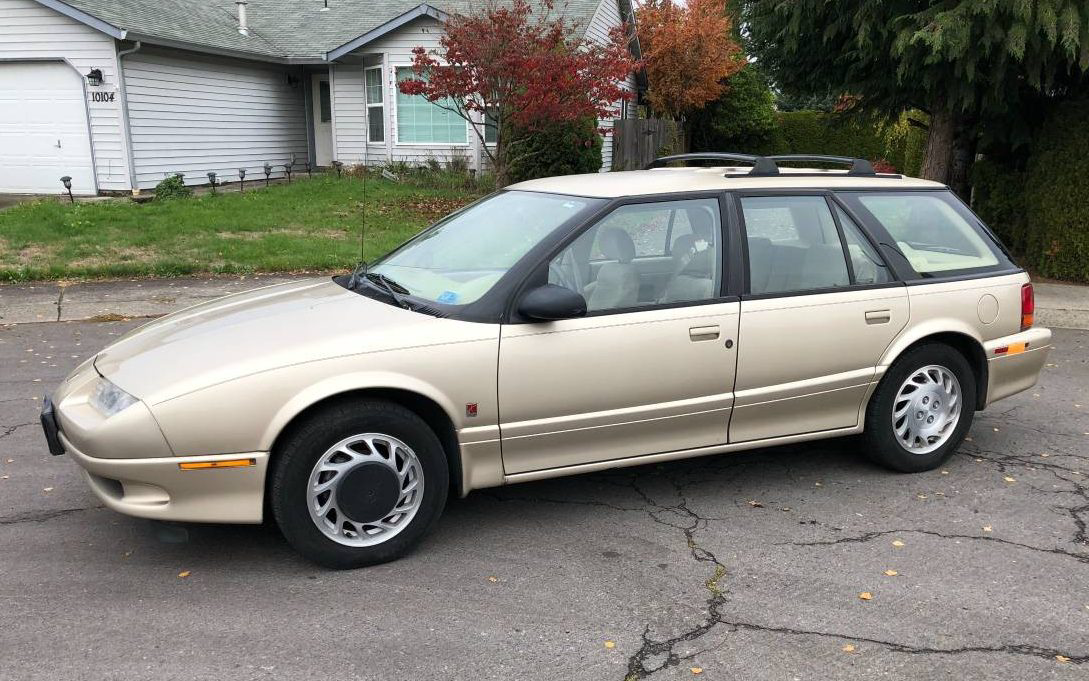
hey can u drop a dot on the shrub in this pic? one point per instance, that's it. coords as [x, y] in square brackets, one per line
[557, 149]
[1054, 234]
[898, 143]
[742, 119]
[172, 187]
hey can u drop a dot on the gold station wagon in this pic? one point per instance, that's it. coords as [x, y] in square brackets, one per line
[560, 326]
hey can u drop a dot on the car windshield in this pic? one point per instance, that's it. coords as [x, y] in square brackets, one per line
[461, 258]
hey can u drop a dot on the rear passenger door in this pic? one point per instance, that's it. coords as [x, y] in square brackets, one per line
[820, 308]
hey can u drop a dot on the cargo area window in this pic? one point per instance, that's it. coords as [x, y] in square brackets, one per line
[937, 234]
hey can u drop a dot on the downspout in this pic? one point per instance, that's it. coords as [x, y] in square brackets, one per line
[125, 115]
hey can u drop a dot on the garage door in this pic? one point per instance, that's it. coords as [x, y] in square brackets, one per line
[43, 129]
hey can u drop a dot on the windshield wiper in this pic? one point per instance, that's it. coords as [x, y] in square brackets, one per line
[357, 274]
[389, 286]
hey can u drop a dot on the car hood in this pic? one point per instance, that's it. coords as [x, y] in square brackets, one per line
[260, 330]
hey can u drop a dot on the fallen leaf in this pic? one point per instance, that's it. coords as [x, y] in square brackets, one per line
[848, 648]
[897, 543]
[756, 504]
[817, 484]
[921, 496]
[996, 430]
[183, 574]
[610, 644]
[967, 439]
[493, 578]
[697, 670]
[891, 573]
[979, 460]
[866, 596]
[47, 489]
[1062, 658]
[1010, 478]
[1045, 455]
[785, 508]
[3, 477]
[945, 472]
[11, 460]
[986, 528]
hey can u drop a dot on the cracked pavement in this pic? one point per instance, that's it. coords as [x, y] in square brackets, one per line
[747, 566]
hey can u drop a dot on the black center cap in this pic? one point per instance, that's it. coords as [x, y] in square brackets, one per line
[368, 492]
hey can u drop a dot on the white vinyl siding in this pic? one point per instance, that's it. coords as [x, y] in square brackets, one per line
[196, 114]
[605, 18]
[30, 31]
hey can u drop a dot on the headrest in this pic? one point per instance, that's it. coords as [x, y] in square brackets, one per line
[703, 224]
[616, 244]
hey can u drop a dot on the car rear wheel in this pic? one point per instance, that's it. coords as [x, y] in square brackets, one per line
[921, 410]
[359, 483]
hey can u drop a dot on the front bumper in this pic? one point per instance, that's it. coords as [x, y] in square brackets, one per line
[160, 488]
[1014, 362]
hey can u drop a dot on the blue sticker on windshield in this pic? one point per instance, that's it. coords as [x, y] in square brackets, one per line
[447, 297]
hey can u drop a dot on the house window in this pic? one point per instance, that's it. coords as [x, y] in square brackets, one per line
[491, 127]
[421, 122]
[376, 127]
[325, 103]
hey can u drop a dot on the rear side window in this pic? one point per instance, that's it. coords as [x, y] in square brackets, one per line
[793, 244]
[937, 234]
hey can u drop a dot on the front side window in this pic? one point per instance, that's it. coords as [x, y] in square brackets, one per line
[936, 233]
[645, 254]
[421, 122]
[376, 127]
[461, 258]
[793, 244]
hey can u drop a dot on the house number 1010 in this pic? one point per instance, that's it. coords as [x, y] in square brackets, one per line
[102, 96]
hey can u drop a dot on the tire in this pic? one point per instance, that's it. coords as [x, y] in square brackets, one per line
[910, 444]
[373, 458]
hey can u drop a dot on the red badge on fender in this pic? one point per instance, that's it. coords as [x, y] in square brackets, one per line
[470, 409]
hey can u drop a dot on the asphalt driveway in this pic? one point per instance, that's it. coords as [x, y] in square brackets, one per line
[747, 566]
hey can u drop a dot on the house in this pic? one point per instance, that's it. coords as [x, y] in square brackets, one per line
[119, 94]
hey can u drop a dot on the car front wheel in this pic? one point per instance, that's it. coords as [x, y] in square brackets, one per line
[921, 410]
[358, 483]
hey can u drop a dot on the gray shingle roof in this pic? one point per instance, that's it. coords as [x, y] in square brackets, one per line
[279, 29]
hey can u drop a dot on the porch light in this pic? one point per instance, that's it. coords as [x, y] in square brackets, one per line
[241, 180]
[94, 77]
[212, 181]
[67, 182]
[268, 172]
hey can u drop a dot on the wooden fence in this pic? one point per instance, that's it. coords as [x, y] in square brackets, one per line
[638, 141]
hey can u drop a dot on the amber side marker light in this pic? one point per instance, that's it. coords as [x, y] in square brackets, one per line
[201, 465]
[1011, 349]
[1028, 307]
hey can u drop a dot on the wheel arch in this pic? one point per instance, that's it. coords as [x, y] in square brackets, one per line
[961, 338]
[423, 405]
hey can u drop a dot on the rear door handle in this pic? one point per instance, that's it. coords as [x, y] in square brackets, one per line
[878, 316]
[703, 333]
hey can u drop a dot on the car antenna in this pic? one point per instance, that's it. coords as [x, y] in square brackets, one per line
[366, 171]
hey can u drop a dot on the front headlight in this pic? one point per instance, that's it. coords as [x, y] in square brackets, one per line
[109, 399]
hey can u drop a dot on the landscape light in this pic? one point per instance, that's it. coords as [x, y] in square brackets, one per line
[241, 180]
[212, 181]
[268, 172]
[67, 182]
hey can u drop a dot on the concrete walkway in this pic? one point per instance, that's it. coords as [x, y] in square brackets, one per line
[1061, 306]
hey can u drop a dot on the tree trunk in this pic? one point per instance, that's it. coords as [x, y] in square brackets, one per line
[964, 156]
[938, 161]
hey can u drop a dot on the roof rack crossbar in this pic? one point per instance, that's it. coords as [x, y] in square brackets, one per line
[859, 166]
[764, 166]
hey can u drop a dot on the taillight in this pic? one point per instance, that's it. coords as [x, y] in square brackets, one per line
[1028, 306]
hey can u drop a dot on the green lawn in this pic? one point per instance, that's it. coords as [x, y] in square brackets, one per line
[310, 224]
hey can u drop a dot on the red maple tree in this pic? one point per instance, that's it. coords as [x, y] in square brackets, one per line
[509, 64]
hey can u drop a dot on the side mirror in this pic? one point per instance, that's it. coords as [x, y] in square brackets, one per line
[550, 302]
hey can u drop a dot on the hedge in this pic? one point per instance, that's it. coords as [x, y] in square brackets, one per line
[815, 132]
[559, 149]
[1042, 212]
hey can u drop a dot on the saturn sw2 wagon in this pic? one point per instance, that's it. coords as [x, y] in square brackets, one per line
[561, 326]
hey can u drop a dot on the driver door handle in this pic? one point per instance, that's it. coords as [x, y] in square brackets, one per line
[703, 333]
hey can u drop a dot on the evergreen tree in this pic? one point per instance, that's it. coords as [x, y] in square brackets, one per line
[963, 62]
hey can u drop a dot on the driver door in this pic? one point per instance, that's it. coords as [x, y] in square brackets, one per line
[650, 368]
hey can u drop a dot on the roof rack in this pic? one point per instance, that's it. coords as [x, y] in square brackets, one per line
[765, 166]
